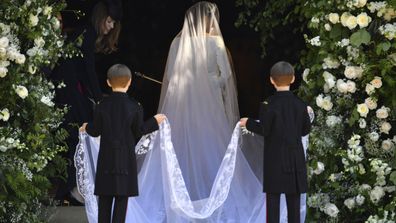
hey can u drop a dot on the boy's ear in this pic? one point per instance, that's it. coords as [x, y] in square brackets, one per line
[292, 81]
[108, 82]
[272, 81]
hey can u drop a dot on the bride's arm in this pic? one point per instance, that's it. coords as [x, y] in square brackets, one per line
[223, 62]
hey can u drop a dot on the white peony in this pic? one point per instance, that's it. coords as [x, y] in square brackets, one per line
[329, 79]
[334, 18]
[319, 168]
[351, 22]
[363, 20]
[376, 194]
[359, 199]
[344, 18]
[4, 42]
[350, 203]
[21, 91]
[3, 72]
[371, 103]
[331, 210]
[370, 89]
[376, 82]
[33, 20]
[385, 127]
[382, 113]
[387, 145]
[4, 114]
[359, 3]
[319, 100]
[327, 104]
[342, 87]
[353, 72]
[363, 110]
[374, 136]
[20, 59]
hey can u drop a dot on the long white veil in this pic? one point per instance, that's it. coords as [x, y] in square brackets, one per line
[196, 171]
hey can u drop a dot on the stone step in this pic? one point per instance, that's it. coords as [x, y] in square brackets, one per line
[70, 214]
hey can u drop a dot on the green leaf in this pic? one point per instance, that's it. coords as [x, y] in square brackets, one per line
[383, 47]
[335, 32]
[354, 117]
[392, 177]
[360, 37]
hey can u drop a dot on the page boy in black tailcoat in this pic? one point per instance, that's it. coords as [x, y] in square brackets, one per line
[284, 120]
[118, 119]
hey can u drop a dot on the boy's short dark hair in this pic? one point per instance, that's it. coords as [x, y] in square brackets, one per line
[282, 73]
[119, 75]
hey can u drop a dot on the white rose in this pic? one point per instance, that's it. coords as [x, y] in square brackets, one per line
[371, 103]
[363, 110]
[327, 27]
[362, 123]
[376, 82]
[344, 18]
[331, 210]
[39, 42]
[351, 86]
[385, 127]
[376, 194]
[370, 89]
[5, 114]
[382, 113]
[327, 104]
[3, 52]
[4, 42]
[319, 168]
[363, 20]
[353, 72]
[21, 91]
[334, 18]
[342, 86]
[359, 3]
[350, 203]
[374, 136]
[33, 20]
[351, 22]
[20, 59]
[361, 169]
[359, 199]
[365, 187]
[387, 145]
[3, 72]
[329, 79]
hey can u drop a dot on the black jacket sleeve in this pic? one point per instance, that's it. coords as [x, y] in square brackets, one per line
[139, 127]
[88, 51]
[263, 127]
[94, 128]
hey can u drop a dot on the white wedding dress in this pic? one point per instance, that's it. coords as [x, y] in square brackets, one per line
[194, 168]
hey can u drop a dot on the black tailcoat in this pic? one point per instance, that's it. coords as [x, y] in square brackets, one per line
[283, 121]
[118, 120]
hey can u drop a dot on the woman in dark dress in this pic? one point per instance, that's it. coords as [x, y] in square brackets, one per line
[82, 89]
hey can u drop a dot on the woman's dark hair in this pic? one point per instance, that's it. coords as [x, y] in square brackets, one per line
[105, 43]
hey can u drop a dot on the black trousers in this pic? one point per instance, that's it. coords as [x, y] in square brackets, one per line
[119, 212]
[293, 208]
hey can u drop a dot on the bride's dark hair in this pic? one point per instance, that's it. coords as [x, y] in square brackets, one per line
[203, 12]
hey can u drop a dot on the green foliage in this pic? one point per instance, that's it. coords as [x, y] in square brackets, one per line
[350, 82]
[30, 137]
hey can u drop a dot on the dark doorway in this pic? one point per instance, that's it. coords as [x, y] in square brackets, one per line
[148, 28]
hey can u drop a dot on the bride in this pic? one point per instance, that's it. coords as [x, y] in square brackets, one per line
[187, 176]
